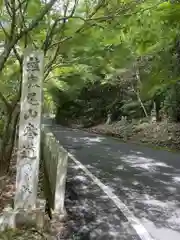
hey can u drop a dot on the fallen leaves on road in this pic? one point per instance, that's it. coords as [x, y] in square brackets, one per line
[22, 234]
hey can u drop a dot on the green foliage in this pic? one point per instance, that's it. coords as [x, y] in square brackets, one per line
[103, 43]
[147, 31]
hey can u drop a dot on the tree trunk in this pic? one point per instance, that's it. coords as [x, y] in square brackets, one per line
[157, 107]
[142, 105]
[140, 101]
[8, 140]
[137, 93]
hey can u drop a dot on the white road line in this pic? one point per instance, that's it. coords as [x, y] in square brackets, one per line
[135, 223]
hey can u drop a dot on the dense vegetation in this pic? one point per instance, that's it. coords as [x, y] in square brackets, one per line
[125, 66]
[118, 57]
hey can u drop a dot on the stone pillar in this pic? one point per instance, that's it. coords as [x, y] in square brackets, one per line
[55, 159]
[28, 210]
[29, 131]
[153, 113]
[61, 181]
[109, 119]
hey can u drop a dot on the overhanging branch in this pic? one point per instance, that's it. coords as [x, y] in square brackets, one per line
[31, 26]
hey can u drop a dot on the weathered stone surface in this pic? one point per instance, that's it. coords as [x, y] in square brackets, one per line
[27, 211]
[40, 214]
[24, 218]
[55, 159]
[29, 131]
[7, 218]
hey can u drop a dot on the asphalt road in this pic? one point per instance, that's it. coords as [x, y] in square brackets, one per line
[146, 180]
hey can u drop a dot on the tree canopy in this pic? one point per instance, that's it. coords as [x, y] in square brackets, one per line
[101, 56]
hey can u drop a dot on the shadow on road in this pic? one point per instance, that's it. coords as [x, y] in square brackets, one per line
[93, 215]
[146, 180]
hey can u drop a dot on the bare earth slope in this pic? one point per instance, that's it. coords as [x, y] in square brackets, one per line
[163, 134]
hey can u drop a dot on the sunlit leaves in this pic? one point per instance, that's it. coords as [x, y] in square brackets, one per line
[1, 4]
[33, 7]
[121, 31]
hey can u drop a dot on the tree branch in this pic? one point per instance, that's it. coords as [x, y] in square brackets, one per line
[8, 8]
[36, 21]
[13, 21]
[19, 58]
[21, 4]
[31, 26]
[4, 30]
[50, 36]
[99, 5]
[52, 32]
[48, 68]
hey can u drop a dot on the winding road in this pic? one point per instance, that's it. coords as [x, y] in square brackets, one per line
[131, 191]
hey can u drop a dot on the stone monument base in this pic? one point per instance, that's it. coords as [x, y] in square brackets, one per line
[23, 218]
